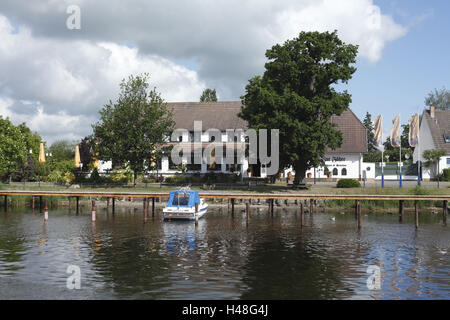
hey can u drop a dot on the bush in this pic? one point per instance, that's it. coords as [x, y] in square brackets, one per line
[348, 183]
[445, 176]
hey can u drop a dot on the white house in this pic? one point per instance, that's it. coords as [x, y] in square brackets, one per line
[434, 134]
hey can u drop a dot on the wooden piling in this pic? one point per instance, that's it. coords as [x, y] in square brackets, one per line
[311, 204]
[40, 203]
[107, 203]
[113, 205]
[232, 206]
[302, 214]
[401, 208]
[93, 211]
[46, 211]
[247, 209]
[78, 204]
[356, 209]
[359, 214]
[229, 204]
[32, 202]
[444, 212]
[416, 215]
[153, 206]
[196, 213]
[70, 203]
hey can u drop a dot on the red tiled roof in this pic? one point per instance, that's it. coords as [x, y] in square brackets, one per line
[224, 115]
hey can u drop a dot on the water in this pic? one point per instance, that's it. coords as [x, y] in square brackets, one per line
[121, 257]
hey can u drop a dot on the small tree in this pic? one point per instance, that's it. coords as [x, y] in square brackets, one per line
[208, 95]
[134, 126]
[432, 158]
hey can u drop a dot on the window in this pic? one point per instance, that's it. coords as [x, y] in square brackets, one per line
[344, 172]
[447, 137]
[335, 172]
[181, 199]
[448, 162]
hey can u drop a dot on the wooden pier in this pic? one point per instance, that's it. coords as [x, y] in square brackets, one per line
[232, 197]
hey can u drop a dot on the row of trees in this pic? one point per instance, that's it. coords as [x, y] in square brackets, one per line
[296, 94]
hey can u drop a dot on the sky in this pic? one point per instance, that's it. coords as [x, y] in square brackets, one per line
[56, 79]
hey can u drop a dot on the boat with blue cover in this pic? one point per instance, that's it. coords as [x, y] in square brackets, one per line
[182, 205]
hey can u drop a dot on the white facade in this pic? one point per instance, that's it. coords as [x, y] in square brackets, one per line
[426, 143]
[341, 165]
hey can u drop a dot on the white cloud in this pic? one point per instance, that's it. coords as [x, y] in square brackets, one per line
[49, 73]
[357, 21]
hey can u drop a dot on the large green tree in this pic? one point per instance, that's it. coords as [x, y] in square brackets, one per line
[208, 95]
[439, 99]
[13, 148]
[296, 95]
[132, 128]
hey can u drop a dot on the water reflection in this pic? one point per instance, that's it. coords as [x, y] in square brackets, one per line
[223, 257]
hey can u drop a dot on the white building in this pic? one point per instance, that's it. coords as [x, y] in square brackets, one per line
[344, 162]
[434, 134]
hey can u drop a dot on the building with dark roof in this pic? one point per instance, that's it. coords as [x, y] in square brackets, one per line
[434, 134]
[345, 161]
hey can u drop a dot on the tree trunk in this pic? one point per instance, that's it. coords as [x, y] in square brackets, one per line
[299, 173]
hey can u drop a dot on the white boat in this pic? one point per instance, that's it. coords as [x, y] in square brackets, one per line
[182, 205]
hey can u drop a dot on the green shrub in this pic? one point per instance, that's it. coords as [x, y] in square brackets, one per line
[348, 183]
[445, 176]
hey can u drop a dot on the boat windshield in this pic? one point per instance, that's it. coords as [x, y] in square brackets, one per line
[181, 199]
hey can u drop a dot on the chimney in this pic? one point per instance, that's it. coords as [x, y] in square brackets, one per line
[432, 112]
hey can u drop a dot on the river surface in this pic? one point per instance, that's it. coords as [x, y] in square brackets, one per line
[224, 257]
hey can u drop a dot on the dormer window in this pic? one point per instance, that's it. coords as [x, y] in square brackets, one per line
[447, 137]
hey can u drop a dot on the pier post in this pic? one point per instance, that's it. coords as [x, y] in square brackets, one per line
[232, 207]
[107, 203]
[311, 205]
[78, 204]
[356, 209]
[32, 202]
[302, 213]
[247, 210]
[196, 213]
[40, 203]
[401, 208]
[153, 206]
[46, 211]
[444, 212]
[144, 203]
[416, 215]
[93, 210]
[5, 203]
[359, 214]
[70, 203]
[113, 204]
[229, 203]
[271, 206]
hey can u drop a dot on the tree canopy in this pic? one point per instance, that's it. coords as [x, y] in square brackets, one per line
[439, 99]
[62, 150]
[15, 145]
[131, 129]
[208, 95]
[296, 96]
